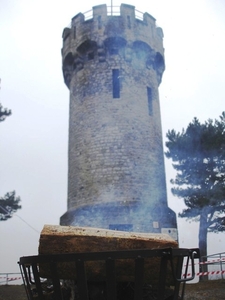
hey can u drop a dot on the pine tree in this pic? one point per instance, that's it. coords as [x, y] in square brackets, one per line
[4, 113]
[198, 156]
[9, 204]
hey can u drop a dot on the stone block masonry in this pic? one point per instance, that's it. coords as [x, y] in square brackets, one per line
[112, 66]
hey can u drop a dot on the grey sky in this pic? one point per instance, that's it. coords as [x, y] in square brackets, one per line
[33, 148]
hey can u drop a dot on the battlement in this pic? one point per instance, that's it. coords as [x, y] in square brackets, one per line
[101, 22]
[123, 10]
[101, 32]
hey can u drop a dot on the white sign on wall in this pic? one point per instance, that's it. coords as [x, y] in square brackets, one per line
[171, 232]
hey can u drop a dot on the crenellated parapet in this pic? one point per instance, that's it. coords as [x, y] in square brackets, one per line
[138, 42]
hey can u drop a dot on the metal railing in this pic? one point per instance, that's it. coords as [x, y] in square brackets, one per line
[214, 265]
[111, 11]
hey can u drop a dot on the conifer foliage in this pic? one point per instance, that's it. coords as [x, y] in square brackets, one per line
[198, 156]
[4, 112]
[9, 204]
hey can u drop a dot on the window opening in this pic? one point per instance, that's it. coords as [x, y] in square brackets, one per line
[116, 83]
[149, 95]
[128, 21]
[74, 32]
[99, 22]
[121, 227]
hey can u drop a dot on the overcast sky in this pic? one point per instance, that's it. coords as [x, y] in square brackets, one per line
[34, 140]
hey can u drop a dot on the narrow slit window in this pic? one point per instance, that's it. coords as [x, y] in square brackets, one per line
[74, 32]
[149, 95]
[116, 83]
[99, 22]
[129, 22]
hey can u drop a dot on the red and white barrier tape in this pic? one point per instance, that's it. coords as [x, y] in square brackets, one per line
[206, 273]
[11, 278]
[212, 261]
[14, 278]
[209, 261]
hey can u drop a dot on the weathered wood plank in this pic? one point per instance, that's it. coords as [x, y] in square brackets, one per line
[68, 239]
[57, 239]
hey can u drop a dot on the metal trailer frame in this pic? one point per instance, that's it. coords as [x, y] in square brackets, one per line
[171, 261]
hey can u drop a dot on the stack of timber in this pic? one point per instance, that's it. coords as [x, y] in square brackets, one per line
[57, 239]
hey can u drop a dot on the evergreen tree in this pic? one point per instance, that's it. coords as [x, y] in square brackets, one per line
[198, 156]
[9, 204]
[4, 112]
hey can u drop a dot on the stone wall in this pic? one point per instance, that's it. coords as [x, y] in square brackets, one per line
[113, 66]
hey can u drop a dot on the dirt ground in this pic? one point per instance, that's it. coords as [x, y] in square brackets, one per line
[205, 290]
[12, 292]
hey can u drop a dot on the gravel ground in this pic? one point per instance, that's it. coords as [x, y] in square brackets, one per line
[204, 290]
[12, 292]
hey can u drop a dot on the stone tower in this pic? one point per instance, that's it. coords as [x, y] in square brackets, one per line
[113, 65]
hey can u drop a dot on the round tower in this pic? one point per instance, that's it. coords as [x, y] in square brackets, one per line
[113, 65]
